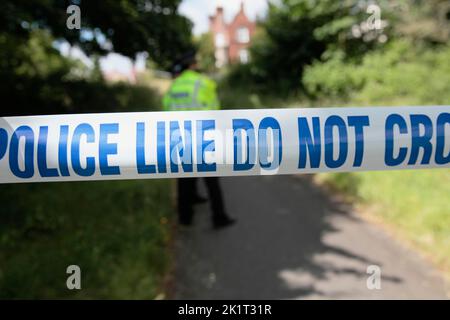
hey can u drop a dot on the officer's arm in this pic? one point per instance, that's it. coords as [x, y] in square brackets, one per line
[213, 96]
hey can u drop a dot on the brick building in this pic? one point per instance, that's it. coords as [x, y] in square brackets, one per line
[231, 40]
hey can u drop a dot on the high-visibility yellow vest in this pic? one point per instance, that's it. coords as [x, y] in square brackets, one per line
[191, 91]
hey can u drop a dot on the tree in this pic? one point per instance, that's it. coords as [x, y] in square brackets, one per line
[426, 21]
[297, 32]
[125, 26]
[207, 60]
[37, 79]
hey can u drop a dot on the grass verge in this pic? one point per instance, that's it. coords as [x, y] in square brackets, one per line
[116, 231]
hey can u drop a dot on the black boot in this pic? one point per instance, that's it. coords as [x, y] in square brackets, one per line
[198, 199]
[184, 221]
[223, 222]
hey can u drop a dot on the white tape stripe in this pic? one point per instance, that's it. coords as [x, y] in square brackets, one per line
[222, 143]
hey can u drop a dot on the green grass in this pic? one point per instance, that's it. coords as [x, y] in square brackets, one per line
[116, 231]
[415, 203]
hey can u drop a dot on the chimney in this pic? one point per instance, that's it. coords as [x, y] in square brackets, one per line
[219, 15]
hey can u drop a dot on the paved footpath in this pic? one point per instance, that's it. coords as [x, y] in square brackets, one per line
[292, 241]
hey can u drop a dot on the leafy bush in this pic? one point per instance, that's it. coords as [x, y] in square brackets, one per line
[398, 75]
[332, 79]
[36, 79]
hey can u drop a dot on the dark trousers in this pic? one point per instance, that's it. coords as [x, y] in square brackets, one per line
[187, 191]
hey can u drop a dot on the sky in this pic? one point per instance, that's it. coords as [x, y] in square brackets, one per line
[197, 11]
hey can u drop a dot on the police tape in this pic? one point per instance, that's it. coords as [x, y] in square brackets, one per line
[222, 143]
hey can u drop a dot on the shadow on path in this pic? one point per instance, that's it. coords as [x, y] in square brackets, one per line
[292, 241]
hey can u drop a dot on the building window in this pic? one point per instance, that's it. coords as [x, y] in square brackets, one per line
[243, 35]
[243, 56]
[220, 40]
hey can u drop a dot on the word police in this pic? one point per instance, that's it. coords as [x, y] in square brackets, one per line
[238, 144]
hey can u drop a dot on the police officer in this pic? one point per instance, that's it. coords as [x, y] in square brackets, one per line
[191, 90]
